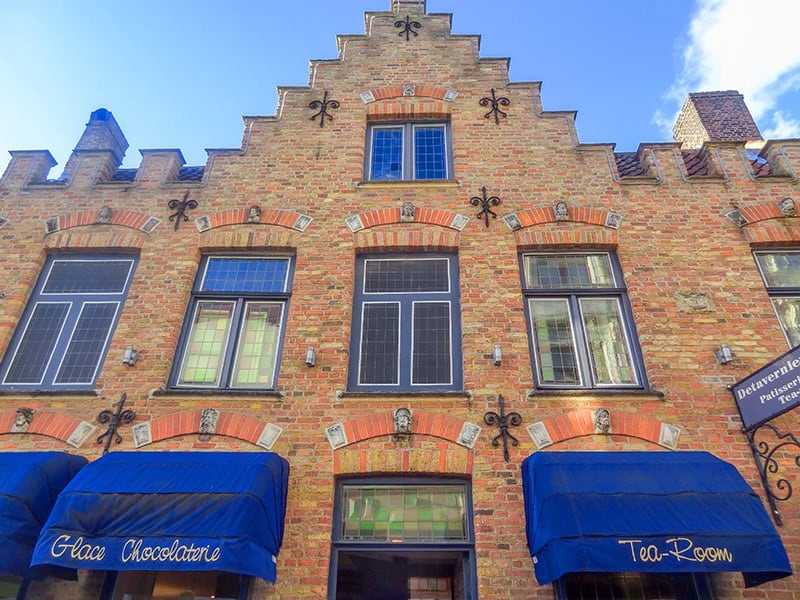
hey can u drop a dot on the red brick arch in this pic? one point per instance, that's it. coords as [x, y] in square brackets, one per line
[396, 91]
[269, 216]
[540, 216]
[120, 217]
[48, 423]
[424, 215]
[450, 458]
[581, 423]
[230, 424]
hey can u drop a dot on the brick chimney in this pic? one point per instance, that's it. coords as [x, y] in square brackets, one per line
[102, 137]
[408, 7]
[715, 117]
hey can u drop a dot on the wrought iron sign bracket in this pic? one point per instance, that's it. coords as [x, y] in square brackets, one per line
[496, 104]
[485, 203]
[323, 106]
[504, 421]
[768, 465]
[180, 207]
[408, 27]
[115, 420]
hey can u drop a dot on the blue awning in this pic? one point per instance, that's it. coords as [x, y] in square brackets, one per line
[29, 485]
[170, 511]
[658, 512]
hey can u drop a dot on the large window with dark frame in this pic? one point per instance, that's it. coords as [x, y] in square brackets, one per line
[780, 270]
[581, 328]
[402, 539]
[63, 336]
[408, 150]
[633, 586]
[406, 332]
[233, 330]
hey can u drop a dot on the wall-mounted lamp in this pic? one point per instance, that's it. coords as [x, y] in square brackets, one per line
[497, 355]
[311, 357]
[723, 354]
[131, 356]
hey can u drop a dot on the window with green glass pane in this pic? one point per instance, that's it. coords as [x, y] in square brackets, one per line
[234, 338]
[403, 513]
[580, 323]
[780, 271]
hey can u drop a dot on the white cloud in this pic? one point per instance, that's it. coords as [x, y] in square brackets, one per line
[783, 128]
[745, 46]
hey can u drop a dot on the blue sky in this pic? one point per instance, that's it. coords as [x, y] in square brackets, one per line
[181, 73]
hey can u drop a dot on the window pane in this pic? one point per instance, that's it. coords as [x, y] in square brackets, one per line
[245, 275]
[788, 310]
[608, 345]
[414, 512]
[258, 345]
[88, 342]
[87, 277]
[205, 350]
[387, 153]
[547, 271]
[431, 343]
[387, 276]
[780, 269]
[37, 344]
[380, 338]
[555, 346]
[628, 586]
[429, 154]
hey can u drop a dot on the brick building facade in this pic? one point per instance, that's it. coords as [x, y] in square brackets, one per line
[410, 238]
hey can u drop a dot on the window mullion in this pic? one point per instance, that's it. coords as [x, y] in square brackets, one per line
[581, 342]
[235, 332]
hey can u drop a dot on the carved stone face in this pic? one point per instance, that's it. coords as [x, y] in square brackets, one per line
[402, 420]
[602, 421]
[22, 420]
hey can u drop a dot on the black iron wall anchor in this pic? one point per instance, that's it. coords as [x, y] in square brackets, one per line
[512, 419]
[485, 204]
[768, 465]
[180, 207]
[496, 104]
[323, 106]
[115, 420]
[408, 26]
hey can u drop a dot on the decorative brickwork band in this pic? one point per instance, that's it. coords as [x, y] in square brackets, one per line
[102, 216]
[400, 91]
[254, 215]
[51, 424]
[743, 216]
[380, 424]
[400, 214]
[227, 424]
[562, 213]
[408, 108]
[584, 422]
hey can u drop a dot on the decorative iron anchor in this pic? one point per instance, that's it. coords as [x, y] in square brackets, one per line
[180, 207]
[115, 420]
[323, 105]
[504, 421]
[485, 204]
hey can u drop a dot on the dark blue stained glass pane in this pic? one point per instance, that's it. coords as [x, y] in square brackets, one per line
[431, 358]
[88, 343]
[430, 160]
[380, 335]
[88, 277]
[409, 276]
[244, 275]
[387, 153]
[36, 346]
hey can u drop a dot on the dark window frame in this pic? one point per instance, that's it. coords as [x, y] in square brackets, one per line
[407, 302]
[408, 153]
[464, 547]
[573, 296]
[776, 291]
[75, 303]
[692, 586]
[240, 301]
